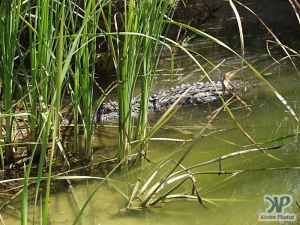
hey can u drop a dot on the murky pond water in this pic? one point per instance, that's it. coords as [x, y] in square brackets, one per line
[233, 200]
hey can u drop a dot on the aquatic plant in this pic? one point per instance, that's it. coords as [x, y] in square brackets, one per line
[136, 55]
[49, 51]
[37, 69]
[156, 191]
[164, 184]
[49, 54]
[9, 39]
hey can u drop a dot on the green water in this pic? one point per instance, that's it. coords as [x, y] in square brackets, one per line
[236, 199]
[233, 200]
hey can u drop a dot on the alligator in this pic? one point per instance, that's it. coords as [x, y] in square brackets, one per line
[199, 93]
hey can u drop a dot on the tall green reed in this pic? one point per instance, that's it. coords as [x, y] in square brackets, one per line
[42, 90]
[57, 105]
[9, 39]
[152, 27]
[41, 80]
[135, 56]
[59, 53]
[66, 48]
[88, 62]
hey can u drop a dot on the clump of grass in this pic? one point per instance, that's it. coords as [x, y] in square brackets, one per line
[39, 67]
[135, 54]
[9, 39]
[135, 49]
[83, 75]
[59, 55]
[164, 184]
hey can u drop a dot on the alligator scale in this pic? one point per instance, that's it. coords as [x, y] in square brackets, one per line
[199, 93]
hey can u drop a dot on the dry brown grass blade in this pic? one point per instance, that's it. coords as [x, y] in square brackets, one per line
[295, 53]
[296, 7]
[269, 31]
[239, 21]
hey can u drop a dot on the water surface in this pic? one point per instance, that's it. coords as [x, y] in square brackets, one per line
[234, 200]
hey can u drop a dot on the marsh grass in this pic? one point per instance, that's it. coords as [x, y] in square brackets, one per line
[166, 186]
[136, 54]
[9, 39]
[49, 52]
[161, 187]
[56, 62]
[37, 68]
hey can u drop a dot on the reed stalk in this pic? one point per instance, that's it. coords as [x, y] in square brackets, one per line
[60, 52]
[137, 63]
[9, 39]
